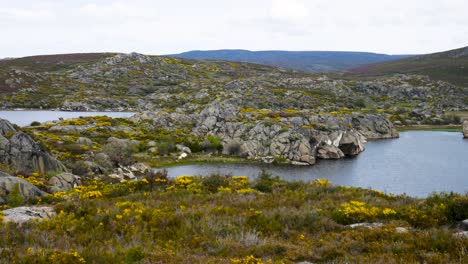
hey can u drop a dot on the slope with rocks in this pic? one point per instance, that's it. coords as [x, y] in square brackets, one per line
[136, 82]
[450, 66]
[309, 61]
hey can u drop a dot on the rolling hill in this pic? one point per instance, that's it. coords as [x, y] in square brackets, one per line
[310, 61]
[450, 66]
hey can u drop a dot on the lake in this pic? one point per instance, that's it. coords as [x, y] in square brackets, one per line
[24, 118]
[418, 163]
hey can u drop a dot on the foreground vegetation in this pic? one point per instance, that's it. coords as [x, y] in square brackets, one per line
[224, 219]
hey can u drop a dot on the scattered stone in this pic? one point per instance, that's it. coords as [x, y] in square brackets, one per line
[461, 234]
[298, 163]
[401, 230]
[366, 225]
[182, 156]
[24, 214]
[122, 173]
[139, 168]
[70, 128]
[183, 149]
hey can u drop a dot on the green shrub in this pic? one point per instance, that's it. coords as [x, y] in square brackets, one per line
[15, 197]
[265, 182]
[213, 182]
[212, 143]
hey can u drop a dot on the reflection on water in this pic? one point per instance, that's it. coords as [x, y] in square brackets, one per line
[418, 163]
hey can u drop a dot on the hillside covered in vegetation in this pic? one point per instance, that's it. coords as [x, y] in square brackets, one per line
[85, 190]
[308, 61]
[450, 66]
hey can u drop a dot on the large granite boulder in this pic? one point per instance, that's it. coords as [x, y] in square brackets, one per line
[9, 183]
[24, 214]
[6, 127]
[465, 129]
[24, 154]
[328, 151]
[374, 126]
[352, 143]
[64, 182]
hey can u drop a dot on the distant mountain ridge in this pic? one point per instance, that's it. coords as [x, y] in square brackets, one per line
[309, 61]
[450, 66]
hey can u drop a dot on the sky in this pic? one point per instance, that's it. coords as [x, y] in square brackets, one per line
[33, 27]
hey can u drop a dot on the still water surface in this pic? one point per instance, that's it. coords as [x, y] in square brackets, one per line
[24, 118]
[418, 163]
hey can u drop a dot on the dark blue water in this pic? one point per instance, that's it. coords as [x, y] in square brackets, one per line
[24, 118]
[418, 163]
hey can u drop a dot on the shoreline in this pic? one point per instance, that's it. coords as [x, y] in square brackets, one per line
[444, 128]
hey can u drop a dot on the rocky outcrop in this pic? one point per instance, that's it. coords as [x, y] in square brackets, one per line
[24, 214]
[130, 172]
[64, 182]
[374, 126]
[6, 127]
[84, 141]
[25, 155]
[70, 128]
[9, 183]
[299, 139]
[465, 129]
[74, 106]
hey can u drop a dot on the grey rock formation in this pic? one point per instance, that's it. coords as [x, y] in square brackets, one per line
[326, 151]
[6, 127]
[84, 141]
[25, 155]
[64, 182]
[183, 149]
[24, 214]
[464, 224]
[374, 126]
[351, 143]
[299, 139]
[9, 183]
[74, 106]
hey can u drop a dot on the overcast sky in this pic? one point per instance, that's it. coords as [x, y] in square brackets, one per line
[30, 27]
